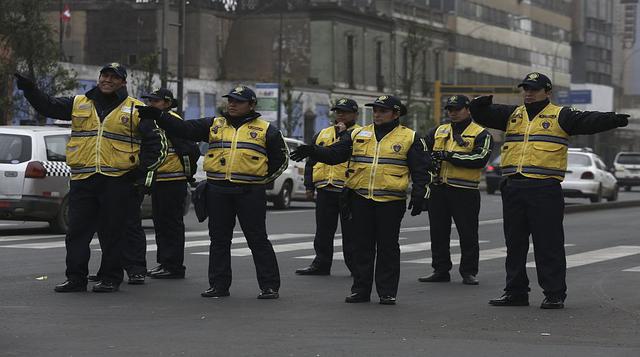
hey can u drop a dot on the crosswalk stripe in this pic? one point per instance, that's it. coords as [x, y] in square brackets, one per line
[486, 254]
[634, 269]
[597, 256]
[236, 240]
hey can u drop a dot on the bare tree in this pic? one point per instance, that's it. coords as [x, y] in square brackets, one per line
[292, 108]
[142, 80]
[415, 43]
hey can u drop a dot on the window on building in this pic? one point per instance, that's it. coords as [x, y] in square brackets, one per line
[351, 61]
[192, 109]
[209, 105]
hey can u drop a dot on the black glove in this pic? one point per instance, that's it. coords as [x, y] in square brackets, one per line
[24, 83]
[142, 180]
[441, 155]
[147, 112]
[416, 205]
[622, 120]
[302, 152]
[482, 101]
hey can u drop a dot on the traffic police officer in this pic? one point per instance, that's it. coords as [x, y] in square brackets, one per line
[534, 161]
[329, 181]
[381, 157]
[109, 151]
[463, 148]
[168, 196]
[245, 153]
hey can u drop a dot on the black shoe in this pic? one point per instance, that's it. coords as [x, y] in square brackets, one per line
[509, 299]
[70, 286]
[387, 300]
[357, 297]
[93, 278]
[153, 270]
[552, 303]
[105, 287]
[435, 278]
[268, 294]
[313, 270]
[164, 273]
[214, 293]
[136, 279]
[470, 280]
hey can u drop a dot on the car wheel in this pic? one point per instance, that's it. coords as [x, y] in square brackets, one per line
[598, 196]
[283, 200]
[614, 194]
[61, 223]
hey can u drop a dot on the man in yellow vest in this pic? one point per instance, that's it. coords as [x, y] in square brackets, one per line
[534, 162]
[381, 157]
[329, 181]
[110, 153]
[168, 195]
[463, 148]
[245, 153]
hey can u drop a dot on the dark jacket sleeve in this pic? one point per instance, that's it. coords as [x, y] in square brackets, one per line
[419, 162]
[429, 139]
[277, 154]
[153, 149]
[479, 156]
[576, 122]
[194, 130]
[51, 107]
[308, 169]
[493, 116]
[337, 152]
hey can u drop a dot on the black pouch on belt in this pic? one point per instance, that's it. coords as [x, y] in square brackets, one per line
[199, 199]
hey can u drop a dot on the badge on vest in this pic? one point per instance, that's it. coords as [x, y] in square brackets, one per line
[366, 134]
[215, 129]
[546, 125]
[84, 106]
[253, 134]
[396, 147]
[124, 119]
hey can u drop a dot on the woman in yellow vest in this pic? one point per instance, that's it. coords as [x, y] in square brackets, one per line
[534, 161]
[328, 181]
[463, 149]
[110, 149]
[380, 156]
[245, 153]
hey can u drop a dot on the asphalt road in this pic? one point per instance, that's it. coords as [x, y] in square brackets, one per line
[169, 318]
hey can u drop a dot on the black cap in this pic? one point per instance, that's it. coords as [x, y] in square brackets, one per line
[242, 93]
[457, 102]
[117, 68]
[386, 101]
[162, 94]
[346, 104]
[537, 81]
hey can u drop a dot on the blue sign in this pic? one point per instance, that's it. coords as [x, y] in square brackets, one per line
[582, 96]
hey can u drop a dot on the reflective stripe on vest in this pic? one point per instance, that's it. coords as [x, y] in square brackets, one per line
[237, 155]
[535, 148]
[378, 170]
[329, 175]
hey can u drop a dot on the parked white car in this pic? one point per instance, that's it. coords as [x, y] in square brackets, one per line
[34, 177]
[286, 188]
[626, 167]
[587, 176]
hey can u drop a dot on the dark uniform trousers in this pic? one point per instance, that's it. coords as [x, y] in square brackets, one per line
[537, 211]
[463, 205]
[376, 230]
[249, 204]
[327, 213]
[96, 205]
[168, 199]
[134, 253]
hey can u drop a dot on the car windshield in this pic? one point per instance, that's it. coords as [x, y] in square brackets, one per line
[579, 160]
[56, 147]
[14, 149]
[629, 159]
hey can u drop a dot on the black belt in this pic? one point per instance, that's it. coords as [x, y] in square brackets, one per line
[526, 182]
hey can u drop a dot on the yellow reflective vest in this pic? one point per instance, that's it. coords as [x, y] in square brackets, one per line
[172, 169]
[378, 170]
[450, 174]
[111, 147]
[535, 148]
[323, 174]
[237, 155]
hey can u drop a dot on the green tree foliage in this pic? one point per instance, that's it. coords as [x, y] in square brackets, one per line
[27, 45]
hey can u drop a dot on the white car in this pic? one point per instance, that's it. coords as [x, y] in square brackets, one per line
[34, 177]
[626, 167]
[286, 188]
[587, 176]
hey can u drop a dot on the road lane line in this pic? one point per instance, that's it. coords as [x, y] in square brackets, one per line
[597, 256]
[634, 269]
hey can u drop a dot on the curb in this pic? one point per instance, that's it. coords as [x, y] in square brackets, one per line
[599, 206]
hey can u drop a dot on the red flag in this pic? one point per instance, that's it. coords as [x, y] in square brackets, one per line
[66, 14]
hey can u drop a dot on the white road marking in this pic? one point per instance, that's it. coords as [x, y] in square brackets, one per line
[597, 256]
[486, 254]
[634, 269]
